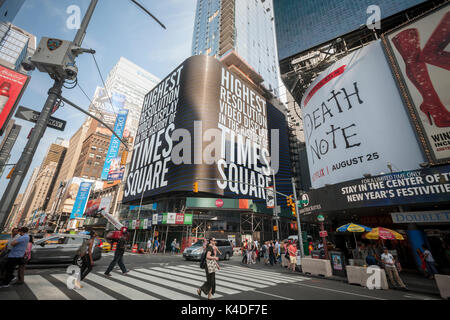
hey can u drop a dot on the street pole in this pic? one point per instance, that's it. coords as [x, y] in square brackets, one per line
[23, 165]
[300, 236]
[276, 206]
[138, 217]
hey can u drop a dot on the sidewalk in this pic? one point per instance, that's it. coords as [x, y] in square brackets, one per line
[415, 282]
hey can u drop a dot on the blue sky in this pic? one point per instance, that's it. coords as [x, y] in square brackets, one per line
[118, 28]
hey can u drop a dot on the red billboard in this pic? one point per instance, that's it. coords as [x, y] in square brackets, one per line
[12, 86]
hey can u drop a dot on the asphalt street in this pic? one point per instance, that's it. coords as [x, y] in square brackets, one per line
[170, 277]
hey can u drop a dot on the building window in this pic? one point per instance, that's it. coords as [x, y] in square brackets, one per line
[91, 155]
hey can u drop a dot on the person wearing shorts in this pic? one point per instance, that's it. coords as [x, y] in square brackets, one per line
[292, 249]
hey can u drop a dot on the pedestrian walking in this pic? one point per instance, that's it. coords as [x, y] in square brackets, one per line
[271, 253]
[423, 265]
[149, 246]
[391, 269]
[292, 250]
[244, 252]
[118, 256]
[209, 287]
[27, 258]
[4, 253]
[155, 246]
[87, 259]
[265, 253]
[429, 262]
[284, 255]
[16, 256]
[174, 246]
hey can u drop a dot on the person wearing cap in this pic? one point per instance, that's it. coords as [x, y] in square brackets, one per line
[118, 255]
[391, 269]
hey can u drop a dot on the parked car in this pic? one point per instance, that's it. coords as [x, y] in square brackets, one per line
[195, 251]
[61, 248]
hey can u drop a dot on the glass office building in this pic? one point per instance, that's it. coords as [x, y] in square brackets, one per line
[9, 9]
[15, 45]
[304, 24]
[245, 26]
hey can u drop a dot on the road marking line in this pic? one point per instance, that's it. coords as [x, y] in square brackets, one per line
[146, 275]
[269, 273]
[419, 297]
[44, 289]
[88, 292]
[257, 278]
[163, 273]
[344, 292]
[272, 275]
[238, 279]
[273, 295]
[120, 288]
[201, 275]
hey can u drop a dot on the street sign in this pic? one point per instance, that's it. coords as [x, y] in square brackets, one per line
[33, 116]
[323, 234]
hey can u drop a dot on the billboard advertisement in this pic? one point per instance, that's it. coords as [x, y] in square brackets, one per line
[204, 122]
[12, 86]
[92, 208]
[116, 170]
[81, 200]
[114, 145]
[355, 122]
[411, 187]
[419, 56]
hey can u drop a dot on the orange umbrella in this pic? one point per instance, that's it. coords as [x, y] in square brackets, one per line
[383, 234]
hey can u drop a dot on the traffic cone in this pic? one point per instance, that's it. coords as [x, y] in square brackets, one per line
[135, 248]
[114, 246]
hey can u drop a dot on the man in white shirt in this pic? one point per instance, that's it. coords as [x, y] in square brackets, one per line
[391, 270]
[149, 246]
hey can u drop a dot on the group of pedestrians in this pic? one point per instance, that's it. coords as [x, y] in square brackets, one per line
[17, 253]
[272, 252]
[154, 247]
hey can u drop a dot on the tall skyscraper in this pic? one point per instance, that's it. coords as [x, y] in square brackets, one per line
[15, 45]
[46, 178]
[243, 27]
[129, 80]
[9, 9]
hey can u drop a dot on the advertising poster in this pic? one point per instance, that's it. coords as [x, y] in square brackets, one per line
[92, 207]
[179, 219]
[116, 170]
[411, 187]
[105, 204]
[203, 121]
[155, 219]
[420, 58]
[188, 217]
[114, 145]
[355, 122]
[12, 87]
[81, 200]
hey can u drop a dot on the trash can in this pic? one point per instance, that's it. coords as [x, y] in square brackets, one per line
[338, 263]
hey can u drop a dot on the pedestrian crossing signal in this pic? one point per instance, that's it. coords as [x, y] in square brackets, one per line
[195, 187]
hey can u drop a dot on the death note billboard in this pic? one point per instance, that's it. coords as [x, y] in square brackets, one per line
[355, 122]
[202, 122]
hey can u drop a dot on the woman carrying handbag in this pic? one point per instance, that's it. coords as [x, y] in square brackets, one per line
[209, 287]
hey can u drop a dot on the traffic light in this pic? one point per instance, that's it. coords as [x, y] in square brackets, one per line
[123, 160]
[291, 204]
[195, 187]
[289, 201]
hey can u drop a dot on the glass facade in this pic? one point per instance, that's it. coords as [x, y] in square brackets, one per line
[13, 45]
[303, 24]
[253, 37]
[9, 9]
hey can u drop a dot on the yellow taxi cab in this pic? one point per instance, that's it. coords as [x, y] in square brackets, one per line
[4, 238]
[105, 245]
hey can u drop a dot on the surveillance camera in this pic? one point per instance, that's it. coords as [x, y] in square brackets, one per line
[27, 64]
[71, 72]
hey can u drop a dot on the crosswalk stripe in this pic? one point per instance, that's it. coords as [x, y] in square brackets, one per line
[272, 278]
[121, 289]
[44, 289]
[88, 292]
[167, 293]
[164, 273]
[268, 273]
[219, 282]
[251, 278]
[146, 275]
[238, 279]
